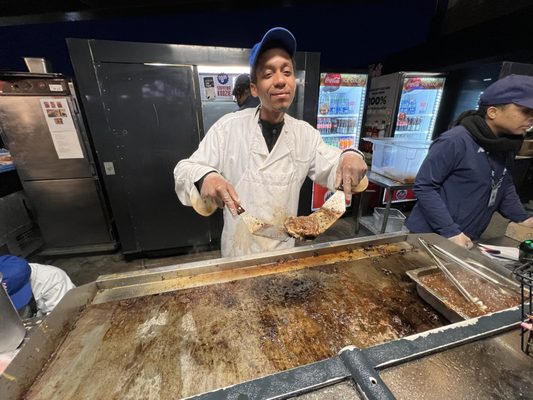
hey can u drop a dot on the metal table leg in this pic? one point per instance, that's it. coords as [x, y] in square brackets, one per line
[359, 212]
[386, 214]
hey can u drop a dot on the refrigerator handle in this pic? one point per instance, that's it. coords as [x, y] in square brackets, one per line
[75, 106]
[74, 99]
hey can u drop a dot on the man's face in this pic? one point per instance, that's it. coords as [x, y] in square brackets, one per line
[275, 85]
[512, 119]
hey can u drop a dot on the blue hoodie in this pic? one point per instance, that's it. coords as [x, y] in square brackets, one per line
[453, 188]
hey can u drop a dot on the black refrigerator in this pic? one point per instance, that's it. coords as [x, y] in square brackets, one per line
[41, 125]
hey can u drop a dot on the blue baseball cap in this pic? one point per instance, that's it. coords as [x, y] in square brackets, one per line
[16, 275]
[275, 38]
[516, 89]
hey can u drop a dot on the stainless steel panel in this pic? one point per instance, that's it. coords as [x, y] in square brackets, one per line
[30, 143]
[12, 330]
[69, 212]
[43, 340]
[39, 65]
[212, 111]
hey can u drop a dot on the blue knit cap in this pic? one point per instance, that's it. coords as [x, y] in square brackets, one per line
[275, 37]
[516, 89]
[16, 276]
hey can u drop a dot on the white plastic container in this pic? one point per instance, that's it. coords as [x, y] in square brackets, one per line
[394, 222]
[398, 159]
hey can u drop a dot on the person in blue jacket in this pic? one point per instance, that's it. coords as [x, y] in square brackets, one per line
[466, 175]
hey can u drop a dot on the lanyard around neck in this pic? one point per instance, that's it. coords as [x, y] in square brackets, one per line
[495, 184]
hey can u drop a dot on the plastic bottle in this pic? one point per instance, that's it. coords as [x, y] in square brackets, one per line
[351, 107]
[381, 131]
[332, 104]
[345, 109]
[324, 107]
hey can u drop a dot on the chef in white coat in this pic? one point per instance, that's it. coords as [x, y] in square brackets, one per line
[34, 289]
[258, 158]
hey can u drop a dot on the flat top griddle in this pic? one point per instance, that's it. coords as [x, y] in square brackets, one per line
[185, 342]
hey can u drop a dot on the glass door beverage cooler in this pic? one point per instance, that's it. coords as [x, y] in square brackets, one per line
[403, 106]
[340, 110]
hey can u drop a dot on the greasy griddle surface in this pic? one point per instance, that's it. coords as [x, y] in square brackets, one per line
[190, 341]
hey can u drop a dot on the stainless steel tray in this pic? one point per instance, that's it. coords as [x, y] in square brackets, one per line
[433, 298]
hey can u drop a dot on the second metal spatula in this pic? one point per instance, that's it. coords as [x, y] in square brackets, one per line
[311, 226]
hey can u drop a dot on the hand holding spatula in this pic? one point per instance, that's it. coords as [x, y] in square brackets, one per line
[306, 227]
[311, 226]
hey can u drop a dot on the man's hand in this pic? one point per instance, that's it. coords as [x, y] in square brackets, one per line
[528, 222]
[462, 240]
[352, 168]
[221, 191]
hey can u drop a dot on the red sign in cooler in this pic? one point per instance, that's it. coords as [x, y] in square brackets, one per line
[399, 196]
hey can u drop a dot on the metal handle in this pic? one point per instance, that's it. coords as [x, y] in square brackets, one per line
[449, 275]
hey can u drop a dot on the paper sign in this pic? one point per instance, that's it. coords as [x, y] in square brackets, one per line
[55, 87]
[217, 87]
[61, 127]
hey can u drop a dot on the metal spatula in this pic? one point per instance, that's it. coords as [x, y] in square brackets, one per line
[261, 228]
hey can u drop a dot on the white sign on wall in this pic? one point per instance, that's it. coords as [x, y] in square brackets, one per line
[61, 126]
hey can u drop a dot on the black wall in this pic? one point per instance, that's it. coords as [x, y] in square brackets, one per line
[347, 35]
[505, 38]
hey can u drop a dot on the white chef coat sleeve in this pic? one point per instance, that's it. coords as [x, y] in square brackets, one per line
[208, 157]
[49, 284]
[325, 160]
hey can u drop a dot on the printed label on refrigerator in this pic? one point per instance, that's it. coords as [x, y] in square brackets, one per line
[61, 126]
[416, 83]
[350, 80]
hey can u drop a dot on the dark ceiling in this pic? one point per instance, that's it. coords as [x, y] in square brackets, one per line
[37, 11]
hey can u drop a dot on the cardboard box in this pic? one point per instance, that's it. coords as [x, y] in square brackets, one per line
[519, 232]
[527, 148]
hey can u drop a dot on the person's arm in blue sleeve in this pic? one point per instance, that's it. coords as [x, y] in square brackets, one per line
[510, 206]
[438, 165]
